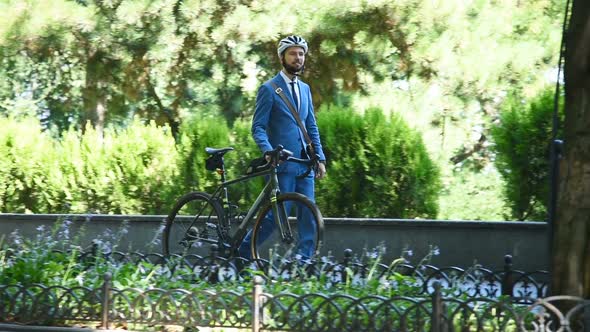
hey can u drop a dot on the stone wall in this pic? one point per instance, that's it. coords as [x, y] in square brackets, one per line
[460, 243]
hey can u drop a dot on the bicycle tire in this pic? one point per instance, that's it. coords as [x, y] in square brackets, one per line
[274, 247]
[195, 209]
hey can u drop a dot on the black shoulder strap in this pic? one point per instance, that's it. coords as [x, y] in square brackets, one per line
[295, 114]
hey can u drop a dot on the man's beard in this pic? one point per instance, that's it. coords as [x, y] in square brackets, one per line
[292, 69]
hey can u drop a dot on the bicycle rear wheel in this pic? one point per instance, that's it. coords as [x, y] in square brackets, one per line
[303, 230]
[192, 225]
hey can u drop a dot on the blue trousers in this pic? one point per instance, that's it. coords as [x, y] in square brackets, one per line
[288, 182]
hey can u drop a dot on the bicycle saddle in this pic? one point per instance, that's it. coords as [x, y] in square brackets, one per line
[220, 151]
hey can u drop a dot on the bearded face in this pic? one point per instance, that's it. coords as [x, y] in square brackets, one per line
[293, 60]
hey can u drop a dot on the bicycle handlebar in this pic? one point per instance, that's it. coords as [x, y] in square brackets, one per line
[281, 154]
[278, 154]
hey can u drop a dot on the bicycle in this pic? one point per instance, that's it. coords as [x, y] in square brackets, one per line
[200, 217]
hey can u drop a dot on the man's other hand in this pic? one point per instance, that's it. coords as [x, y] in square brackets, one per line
[321, 171]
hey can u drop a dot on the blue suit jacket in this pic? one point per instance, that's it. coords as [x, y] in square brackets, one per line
[273, 123]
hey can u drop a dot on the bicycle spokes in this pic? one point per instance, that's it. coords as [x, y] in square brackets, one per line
[191, 235]
[292, 230]
[192, 224]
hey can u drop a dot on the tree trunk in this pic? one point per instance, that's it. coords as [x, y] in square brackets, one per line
[571, 229]
[95, 94]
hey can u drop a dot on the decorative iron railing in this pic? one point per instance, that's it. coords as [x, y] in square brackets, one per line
[446, 298]
[257, 310]
[476, 281]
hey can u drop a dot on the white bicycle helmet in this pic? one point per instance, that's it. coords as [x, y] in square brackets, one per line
[291, 41]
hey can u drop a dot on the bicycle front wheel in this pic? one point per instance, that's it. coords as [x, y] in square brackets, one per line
[192, 224]
[300, 235]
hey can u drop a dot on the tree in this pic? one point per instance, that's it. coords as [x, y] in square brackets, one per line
[445, 66]
[571, 228]
[105, 61]
[86, 60]
[522, 162]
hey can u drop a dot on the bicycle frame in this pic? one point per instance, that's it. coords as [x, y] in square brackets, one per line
[269, 193]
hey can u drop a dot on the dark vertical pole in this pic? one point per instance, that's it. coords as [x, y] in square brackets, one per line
[507, 283]
[556, 147]
[256, 303]
[346, 263]
[437, 310]
[106, 301]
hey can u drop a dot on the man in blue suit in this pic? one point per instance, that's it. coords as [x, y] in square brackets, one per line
[274, 124]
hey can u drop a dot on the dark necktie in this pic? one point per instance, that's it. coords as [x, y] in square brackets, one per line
[294, 95]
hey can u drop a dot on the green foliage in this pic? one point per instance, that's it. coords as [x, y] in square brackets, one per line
[378, 167]
[238, 161]
[30, 180]
[67, 62]
[127, 171]
[522, 144]
[195, 135]
[472, 196]
[56, 264]
[120, 172]
[140, 169]
[54, 257]
[161, 58]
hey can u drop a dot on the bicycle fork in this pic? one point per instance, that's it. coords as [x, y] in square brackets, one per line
[281, 217]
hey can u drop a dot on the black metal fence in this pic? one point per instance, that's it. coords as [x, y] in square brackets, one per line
[448, 299]
[473, 281]
[258, 311]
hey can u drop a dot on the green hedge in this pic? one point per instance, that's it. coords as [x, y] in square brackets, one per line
[196, 134]
[522, 146]
[377, 166]
[30, 177]
[127, 171]
[246, 150]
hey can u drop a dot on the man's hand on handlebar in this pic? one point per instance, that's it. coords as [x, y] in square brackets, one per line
[320, 171]
[279, 154]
